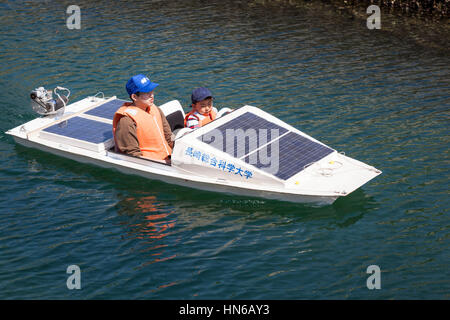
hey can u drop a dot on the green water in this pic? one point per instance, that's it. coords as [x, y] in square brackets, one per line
[380, 98]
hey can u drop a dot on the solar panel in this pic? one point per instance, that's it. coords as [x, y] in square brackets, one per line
[242, 134]
[288, 155]
[82, 129]
[106, 110]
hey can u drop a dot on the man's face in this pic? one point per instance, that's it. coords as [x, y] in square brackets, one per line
[204, 107]
[144, 99]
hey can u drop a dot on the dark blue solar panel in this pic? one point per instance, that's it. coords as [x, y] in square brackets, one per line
[83, 129]
[242, 135]
[106, 110]
[288, 155]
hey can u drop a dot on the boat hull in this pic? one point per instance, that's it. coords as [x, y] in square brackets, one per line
[181, 181]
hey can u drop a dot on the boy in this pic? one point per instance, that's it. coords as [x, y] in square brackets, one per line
[203, 111]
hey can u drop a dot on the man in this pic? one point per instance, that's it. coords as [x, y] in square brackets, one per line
[140, 127]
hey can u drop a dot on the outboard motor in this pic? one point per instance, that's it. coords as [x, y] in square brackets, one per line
[43, 102]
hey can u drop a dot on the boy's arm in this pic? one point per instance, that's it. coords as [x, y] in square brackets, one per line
[192, 122]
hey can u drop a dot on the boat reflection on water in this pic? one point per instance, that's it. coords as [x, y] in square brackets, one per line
[150, 222]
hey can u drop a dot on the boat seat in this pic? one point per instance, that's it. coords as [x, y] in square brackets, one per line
[174, 114]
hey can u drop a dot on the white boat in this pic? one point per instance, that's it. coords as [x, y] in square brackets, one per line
[247, 152]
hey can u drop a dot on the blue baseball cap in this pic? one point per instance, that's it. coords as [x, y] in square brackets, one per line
[140, 83]
[200, 94]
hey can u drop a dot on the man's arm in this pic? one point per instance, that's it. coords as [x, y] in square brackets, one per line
[126, 137]
[166, 128]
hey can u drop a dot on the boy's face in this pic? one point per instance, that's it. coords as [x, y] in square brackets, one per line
[144, 99]
[204, 106]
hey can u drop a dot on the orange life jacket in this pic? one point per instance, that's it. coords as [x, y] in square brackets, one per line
[149, 130]
[207, 118]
